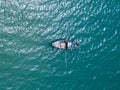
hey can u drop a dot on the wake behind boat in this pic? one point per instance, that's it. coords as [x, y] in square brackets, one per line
[65, 44]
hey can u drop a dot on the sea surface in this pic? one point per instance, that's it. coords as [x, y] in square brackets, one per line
[29, 62]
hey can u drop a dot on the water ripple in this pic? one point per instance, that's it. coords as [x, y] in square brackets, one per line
[27, 29]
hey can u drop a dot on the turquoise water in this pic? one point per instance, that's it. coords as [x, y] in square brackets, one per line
[27, 60]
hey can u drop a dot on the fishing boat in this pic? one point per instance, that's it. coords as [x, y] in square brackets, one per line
[65, 44]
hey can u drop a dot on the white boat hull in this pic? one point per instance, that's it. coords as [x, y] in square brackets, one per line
[57, 44]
